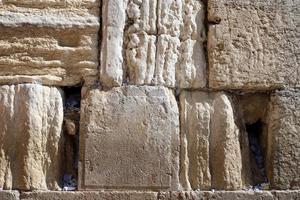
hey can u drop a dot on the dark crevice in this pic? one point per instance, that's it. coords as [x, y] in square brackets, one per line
[257, 160]
[205, 43]
[71, 135]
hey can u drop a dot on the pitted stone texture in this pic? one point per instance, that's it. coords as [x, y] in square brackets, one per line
[286, 195]
[283, 158]
[51, 42]
[219, 195]
[9, 195]
[254, 44]
[129, 139]
[159, 43]
[113, 23]
[31, 117]
[210, 148]
[124, 195]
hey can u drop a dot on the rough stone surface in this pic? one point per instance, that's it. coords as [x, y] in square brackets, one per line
[31, 117]
[210, 143]
[52, 42]
[9, 195]
[129, 139]
[230, 195]
[253, 44]
[158, 43]
[284, 140]
[125, 195]
[194, 195]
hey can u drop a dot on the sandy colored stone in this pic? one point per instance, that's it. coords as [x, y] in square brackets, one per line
[221, 195]
[113, 195]
[113, 23]
[140, 58]
[174, 195]
[283, 156]
[153, 43]
[30, 137]
[9, 195]
[166, 60]
[50, 42]
[253, 44]
[129, 139]
[225, 146]
[286, 195]
[210, 145]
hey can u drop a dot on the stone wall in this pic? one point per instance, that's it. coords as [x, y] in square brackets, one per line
[149, 99]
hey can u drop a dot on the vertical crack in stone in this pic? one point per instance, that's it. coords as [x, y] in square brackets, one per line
[257, 160]
[205, 43]
[71, 134]
[99, 41]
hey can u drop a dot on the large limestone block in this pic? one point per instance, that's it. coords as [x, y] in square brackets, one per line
[153, 43]
[211, 151]
[211, 143]
[129, 139]
[107, 195]
[113, 23]
[53, 42]
[31, 118]
[283, 156]
[9, 195]
[253, 44]
[220, 195]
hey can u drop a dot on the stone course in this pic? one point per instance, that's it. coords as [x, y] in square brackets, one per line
[149, 99]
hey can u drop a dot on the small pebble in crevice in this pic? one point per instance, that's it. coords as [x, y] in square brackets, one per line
[258, 170]
[71, 134]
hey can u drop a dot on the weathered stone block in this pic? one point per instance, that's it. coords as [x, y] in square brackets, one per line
[52, 42]
[283, 156]
[253, 44]
[31, 118]
[211, 152]
[218, 195]
[124, 195]
[162, 42]
[174, 195]
[9, 195]
[129, 139]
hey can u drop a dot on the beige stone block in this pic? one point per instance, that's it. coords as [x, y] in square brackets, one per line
[113, 23]
[9, 195]
[191, 71]
[211, 152]
[142, 16]
[174, 195]
[283, 155]
[129, 139]
[286, 195]
[140, 58]
[219, 195]
[113, 195]
[31, 118]
[253, 44]
[50, 42]
[166, 60]
[143, 46]
[169, 17]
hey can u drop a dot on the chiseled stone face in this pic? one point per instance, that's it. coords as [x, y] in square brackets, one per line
[254, 44]
[129, 139]
[153, 42]
[211, 154]
[283, 158]
[31, 118]
[52, 42]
